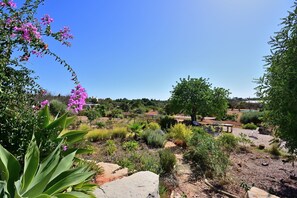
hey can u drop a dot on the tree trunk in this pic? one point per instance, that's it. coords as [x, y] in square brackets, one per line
[193, 117]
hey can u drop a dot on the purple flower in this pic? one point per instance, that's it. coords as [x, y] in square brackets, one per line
[38, 54]
[28, 31]
[44, 103]
[46, 20]
[77, 99]
[64, 148]
[11, 4]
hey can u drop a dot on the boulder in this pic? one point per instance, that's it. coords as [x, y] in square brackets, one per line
[111, 172]
[255, 192]
[144, 184]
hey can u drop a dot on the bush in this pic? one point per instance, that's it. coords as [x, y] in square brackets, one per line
[251, 126]
[153, 126]
[231, 117]
[111, 147]
[57, 107]
[228, 142]
[167, 122]
[154, 138]
[104, 134]
[167, 161]
[119, 132]
[180, 133]
[100, 125]
[130, 145]
[251, 117]
[206, 156]
[274, 150]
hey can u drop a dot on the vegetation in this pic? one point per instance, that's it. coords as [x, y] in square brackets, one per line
[166, 122]
[154, 138]
[194, 96]
[251, 126]
[167, 161]
[56, 107]
[180, 133]
[278, 88]
[206, 156]
[252, 117]
[228, 142]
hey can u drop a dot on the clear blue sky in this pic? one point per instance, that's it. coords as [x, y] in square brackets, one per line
[140, 48]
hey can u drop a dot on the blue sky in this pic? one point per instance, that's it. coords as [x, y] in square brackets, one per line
[140, 48]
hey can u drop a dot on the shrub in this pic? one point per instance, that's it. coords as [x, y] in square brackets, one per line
[56, 107]
[251, 117]
[180, 133]
[92, 114]
[154, 138]
[100, 125]
[231, 117]
[130, 145]
[167, 122]
[84, 127]
[119, 132]
[98, 134]
[153, 126]
[167, 161]
[206, 156]
[143, 161]
[251, 126]
[274, 150]
[136, 129]
[228, 142]
[111, 147]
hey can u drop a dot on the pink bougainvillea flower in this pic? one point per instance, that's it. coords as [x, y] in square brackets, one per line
[46, 20]
[44, 103]
[77, 99]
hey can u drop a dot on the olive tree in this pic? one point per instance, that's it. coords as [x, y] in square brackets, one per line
[278, 86]
[195, 96]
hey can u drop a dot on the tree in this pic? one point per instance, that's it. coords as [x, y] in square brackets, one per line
[194, 96]
[278, 86]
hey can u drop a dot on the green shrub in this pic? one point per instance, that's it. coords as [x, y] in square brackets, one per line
[111, 147]
[206, 156]
[251, 126]
[228, 142]
[130, 145]
[100, 125]
[153, 126]
[251, 117]
[167, 122]
[180, 133]
[119, 132]
[143, 161]
[274, 150]
[232, 117]
[244, 139]
[167, 161]
[136, 129]
[57, 107]
[153, 138]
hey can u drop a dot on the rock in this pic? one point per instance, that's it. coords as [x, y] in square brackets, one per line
[255, 192]
[169, 144]
[111, 173]
[293, 177]
[143, 184]
[261, 146]
[265, 164]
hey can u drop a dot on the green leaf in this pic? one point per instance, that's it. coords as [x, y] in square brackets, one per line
[43, 196]
[84, 151]
[59, 124]
[69, 121]
[74, 194]
[31, 164]
[64, 165]
[70, 180]
[74, 136]
[44, 117]
[10, 169]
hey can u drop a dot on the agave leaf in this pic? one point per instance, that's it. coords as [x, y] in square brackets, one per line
[70, 180]
[64, 165]
[69, 121]
[57, 125]
[44, 117]
[74, 194]
[31, 164]
[74, 136]
[2, 188]
[44, 174]
[83, 151]
[43, 196]
[10, 169]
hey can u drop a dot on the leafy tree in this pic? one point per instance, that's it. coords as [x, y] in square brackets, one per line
[194, 96]
[278, 86]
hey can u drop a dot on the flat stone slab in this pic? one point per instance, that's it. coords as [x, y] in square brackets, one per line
[144, 184]
[111, 173]
[255, 192]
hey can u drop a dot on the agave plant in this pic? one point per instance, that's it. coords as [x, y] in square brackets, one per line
[55, 176]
